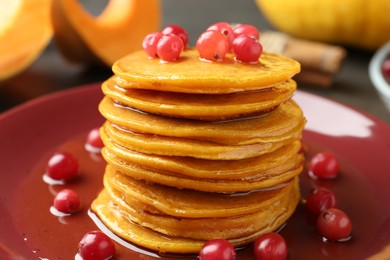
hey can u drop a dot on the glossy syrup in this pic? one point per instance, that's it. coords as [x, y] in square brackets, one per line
[52, 237]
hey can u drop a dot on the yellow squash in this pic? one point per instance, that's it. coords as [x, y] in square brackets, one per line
[359, 23]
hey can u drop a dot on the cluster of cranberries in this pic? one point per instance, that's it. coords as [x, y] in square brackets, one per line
[63, 167]
[213, 44]
[221, 38]
[167, 44]
[267, 246]
[332, 223]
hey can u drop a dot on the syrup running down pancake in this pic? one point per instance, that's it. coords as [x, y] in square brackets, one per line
[199, 150]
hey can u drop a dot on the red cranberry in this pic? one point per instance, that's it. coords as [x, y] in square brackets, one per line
[320, 199]
[270, 246]
[169, 47]
[150, 43]
[94, 142]
[177, 30]
[224, 28]
[246, 29]
[62, 166]
[212, 46]
[95, 245]
[247, 49]
[67, 201]
[334, 224]
[217, 249]
[324, 166]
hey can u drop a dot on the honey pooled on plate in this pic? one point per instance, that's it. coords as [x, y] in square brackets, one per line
[199, 150]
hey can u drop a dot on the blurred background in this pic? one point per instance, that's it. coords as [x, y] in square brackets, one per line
[51, 72]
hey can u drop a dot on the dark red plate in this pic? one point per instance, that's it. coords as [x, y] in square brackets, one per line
[31, 133]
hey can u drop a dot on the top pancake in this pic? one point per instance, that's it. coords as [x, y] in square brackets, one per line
[191, 75]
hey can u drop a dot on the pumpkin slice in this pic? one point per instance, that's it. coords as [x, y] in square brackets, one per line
[25, 31]
[117, 31]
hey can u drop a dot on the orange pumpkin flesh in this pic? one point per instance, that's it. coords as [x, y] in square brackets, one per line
[117, 31]
[25, 31]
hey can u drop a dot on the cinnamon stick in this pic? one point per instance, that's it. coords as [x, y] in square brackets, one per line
[319, 61]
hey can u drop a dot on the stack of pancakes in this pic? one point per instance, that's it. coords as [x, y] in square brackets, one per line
[199, 150]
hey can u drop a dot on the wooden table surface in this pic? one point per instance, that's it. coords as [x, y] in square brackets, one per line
[51, 72]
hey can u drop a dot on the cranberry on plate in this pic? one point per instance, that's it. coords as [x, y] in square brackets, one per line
[217, 249]
[94, 142]
[62, 166]
[270, 246]
[324, 165]
[334, 225]
[67, 201]
[320, 199]
[95, 245]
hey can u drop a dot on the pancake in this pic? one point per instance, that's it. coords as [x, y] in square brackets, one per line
[259, 181]
[191, 167]
[163, 200]
[199, 150]
[191, 75]
[208, 107]
[171, 146]
[282, 121]
[204, 228]
[167, 234]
